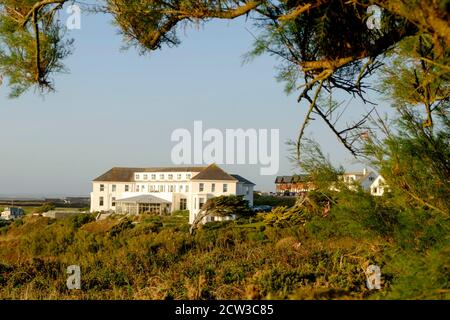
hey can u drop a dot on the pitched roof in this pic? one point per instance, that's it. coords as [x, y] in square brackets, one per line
[213, 172]
[242, 179]
[292, 179]
[173, 169]
[118, 174]
[145, 198]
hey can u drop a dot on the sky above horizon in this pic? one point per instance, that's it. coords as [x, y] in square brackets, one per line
[117, 108]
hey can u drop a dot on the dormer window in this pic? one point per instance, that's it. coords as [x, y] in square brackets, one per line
[145, 177]
[153, 176]
[136, 177]
[179, 176]
[161, 176]
[188, 176]
[170, 177]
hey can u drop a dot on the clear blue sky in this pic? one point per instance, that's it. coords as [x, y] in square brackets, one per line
[116, 108]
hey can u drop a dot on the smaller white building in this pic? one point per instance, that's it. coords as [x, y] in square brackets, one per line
[379, 186]
[11, 213]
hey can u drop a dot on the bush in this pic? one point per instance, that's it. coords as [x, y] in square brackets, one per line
[285, 217]
[122, 226]
[274, 201]
[82, 219]
[45, 208]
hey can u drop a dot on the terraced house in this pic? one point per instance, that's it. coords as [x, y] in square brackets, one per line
[164, 190]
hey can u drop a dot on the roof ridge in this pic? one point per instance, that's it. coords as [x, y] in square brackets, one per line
[207, 174]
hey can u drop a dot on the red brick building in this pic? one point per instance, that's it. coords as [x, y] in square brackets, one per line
[290, 185]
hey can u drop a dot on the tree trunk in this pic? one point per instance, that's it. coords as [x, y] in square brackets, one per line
[198, 219]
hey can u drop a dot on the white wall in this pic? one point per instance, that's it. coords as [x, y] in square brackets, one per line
[378, 187]
[193, 197]
[108, 194]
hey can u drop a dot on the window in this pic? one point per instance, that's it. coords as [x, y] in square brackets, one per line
[201, 187]
[161, 188]
[183, 204]
[136, 177]
[145, 177]
[137, 188]
[153, 176]
[225, 187]
[188, 176]
[113, 188]
[127, 188]
[179, 176]
[113, 202]
[247, 190]
[180, 188]
[213, 187]
[143, 188]
[102, 187]
[161, 176]
[171, 189]
[170, 177]
[201, 202]
[187, 188]
[101, 201]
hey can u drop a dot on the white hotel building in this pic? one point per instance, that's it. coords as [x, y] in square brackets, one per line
[164, 190]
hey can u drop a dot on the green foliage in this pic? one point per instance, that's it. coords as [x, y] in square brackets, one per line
[282, 217]
[82, 219]
[4, 226]
[17, 223]
[20, 60]
[45, 208]
[279, 281]
[223, 206]
[274, 201]
[122, 226]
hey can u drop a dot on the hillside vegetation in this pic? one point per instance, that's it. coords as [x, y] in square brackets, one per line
[295, 253]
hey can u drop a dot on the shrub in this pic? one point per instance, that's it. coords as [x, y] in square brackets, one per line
[122, 226]
[45, 208]
[284, 217]
[82, 219]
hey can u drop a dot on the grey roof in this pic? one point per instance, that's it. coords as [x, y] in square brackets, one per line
[213, 172]
[118, 174]
[145, 198]
[242, 179]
